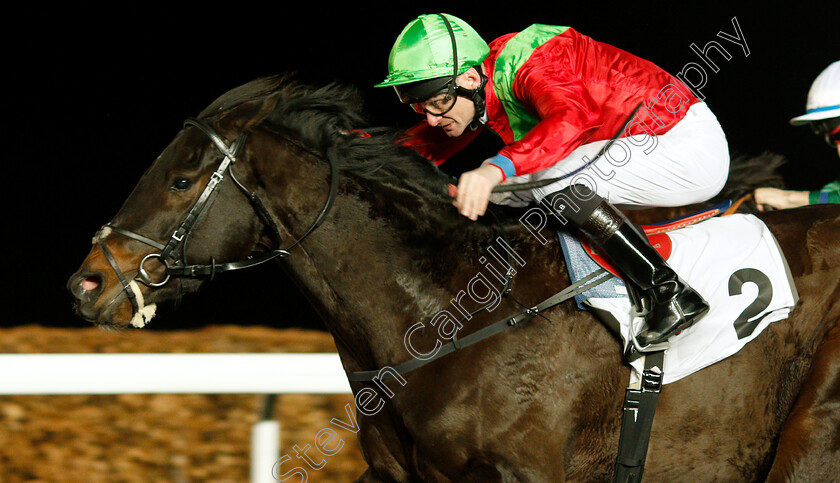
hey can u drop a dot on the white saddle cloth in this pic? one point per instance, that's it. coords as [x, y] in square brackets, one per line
[733, 261]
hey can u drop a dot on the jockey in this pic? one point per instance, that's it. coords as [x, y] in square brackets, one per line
[556, 98]
[823, 114]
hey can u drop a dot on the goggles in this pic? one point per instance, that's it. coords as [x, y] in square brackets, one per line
[440, 104]
[833, 137]
[829, 128]
[437, 106]
[435, 96]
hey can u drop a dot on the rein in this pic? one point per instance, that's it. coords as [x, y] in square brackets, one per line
[524, 315]
[505, 188]
[518, 319]
[177, 265]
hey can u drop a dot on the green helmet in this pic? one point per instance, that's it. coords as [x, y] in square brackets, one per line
[424, 50]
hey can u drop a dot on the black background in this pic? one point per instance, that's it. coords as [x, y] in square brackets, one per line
[92, 97]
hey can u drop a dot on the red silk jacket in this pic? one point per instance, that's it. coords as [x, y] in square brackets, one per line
[578, 90]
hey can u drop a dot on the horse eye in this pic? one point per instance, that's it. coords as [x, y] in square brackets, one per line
[181, 184]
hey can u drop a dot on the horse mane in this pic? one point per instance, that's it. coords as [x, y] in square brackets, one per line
[748, 172]
[331, 117]
[255, 90]
[329, 122]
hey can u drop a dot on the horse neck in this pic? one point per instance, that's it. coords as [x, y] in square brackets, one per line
[386, 258]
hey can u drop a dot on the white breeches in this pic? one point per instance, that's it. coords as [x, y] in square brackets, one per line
[688, 164]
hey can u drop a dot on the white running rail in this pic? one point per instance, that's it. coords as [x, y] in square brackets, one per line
[155, 373]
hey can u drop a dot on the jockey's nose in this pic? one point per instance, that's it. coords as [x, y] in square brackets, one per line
[432, 119]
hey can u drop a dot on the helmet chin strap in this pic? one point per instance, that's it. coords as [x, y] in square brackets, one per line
[476, 95]
[479, 98]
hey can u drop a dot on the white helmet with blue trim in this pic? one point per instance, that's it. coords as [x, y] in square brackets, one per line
[823, 98]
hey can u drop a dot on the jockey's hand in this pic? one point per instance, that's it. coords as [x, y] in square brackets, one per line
[779, 199]
[474, 188]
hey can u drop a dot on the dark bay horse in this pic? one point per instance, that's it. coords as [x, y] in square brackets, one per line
[380, 249]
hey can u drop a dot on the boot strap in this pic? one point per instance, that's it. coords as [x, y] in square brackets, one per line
[602, 223]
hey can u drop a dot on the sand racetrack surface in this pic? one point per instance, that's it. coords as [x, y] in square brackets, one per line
[162, 437]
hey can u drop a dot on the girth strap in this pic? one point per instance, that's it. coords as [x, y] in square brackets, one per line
[639, 410]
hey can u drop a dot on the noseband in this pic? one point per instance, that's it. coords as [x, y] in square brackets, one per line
[173, 253]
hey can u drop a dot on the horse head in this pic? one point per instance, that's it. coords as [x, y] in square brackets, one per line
[194, 213]
[199, 210]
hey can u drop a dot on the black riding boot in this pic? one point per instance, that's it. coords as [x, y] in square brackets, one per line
[674, 305]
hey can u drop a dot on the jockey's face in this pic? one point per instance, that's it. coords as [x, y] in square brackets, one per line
[456, 120]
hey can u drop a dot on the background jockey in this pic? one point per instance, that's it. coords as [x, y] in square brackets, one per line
[823, 114]
[556, 97]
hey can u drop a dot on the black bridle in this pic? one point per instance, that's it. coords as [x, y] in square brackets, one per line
[173, 253]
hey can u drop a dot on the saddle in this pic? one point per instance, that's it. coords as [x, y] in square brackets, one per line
[658, 233]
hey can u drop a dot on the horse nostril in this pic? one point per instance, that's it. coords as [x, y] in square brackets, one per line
[90, 283]
[85, 286]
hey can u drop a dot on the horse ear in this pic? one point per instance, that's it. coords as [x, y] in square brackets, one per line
[267, 106]
[249, 114]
